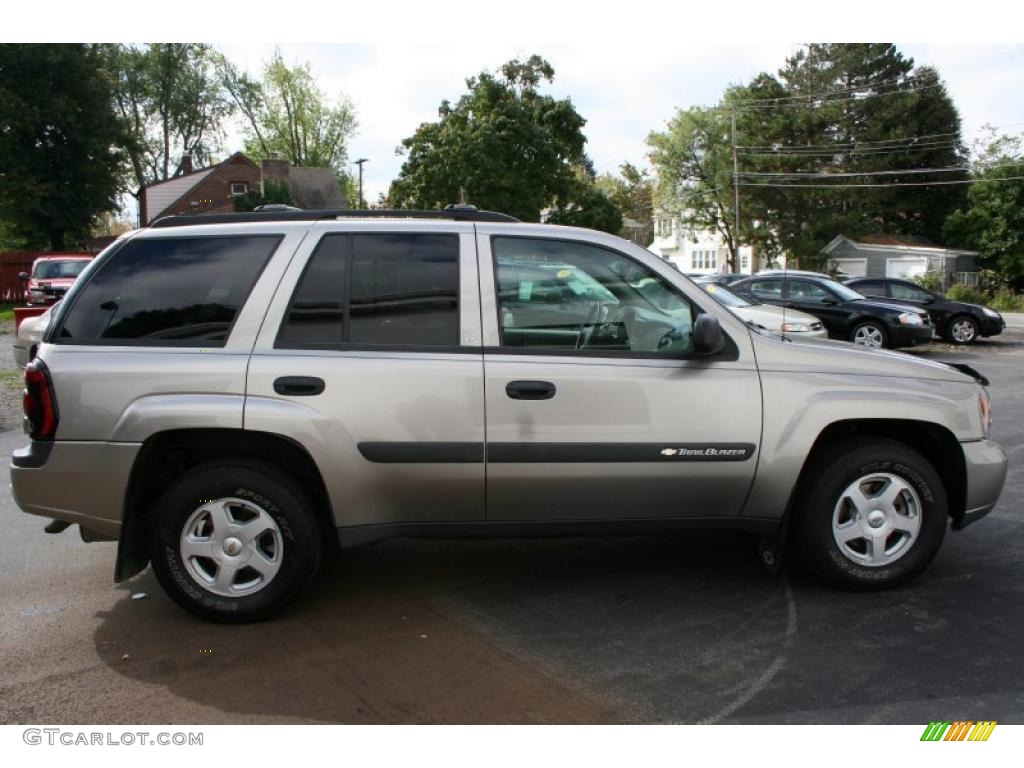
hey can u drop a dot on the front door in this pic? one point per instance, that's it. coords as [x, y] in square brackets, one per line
[597, 408]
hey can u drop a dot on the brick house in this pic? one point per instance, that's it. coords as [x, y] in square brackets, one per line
[213, 189]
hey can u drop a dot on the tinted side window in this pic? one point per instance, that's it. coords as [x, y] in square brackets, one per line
[804, 290]
[316, 316]
[870, 288]
[377, 290]
[561, 295]
[766, 289]
[405, 290]
[183, 291]
[904, 291]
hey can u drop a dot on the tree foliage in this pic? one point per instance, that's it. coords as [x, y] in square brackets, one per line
[503, 146]
[992, 219]
[171, 102]
[826, 111]
[58, 163]
[632, 192]
[287, 115]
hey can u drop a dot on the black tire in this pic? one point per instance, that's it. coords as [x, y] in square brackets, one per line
[873, 325]
[263, 486]
[974, 330]
[831, 472]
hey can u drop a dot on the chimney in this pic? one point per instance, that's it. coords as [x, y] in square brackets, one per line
[186, 164]
[275, 170]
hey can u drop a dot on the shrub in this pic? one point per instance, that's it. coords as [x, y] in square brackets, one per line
[932, 280]
[966, 293]
[1005, 300]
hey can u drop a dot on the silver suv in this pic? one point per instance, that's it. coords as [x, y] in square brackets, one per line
[219, 394]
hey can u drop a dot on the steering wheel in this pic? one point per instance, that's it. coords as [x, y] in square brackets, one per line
[587, 330]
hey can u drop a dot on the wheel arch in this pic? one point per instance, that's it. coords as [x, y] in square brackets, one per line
[167, 455]
[934, 441]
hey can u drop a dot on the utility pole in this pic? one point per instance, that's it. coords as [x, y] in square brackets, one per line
[735, 199]
[359, 162]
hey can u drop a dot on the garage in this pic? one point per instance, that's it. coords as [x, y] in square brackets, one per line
[906, 267]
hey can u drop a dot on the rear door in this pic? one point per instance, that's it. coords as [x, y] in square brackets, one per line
[370, 357]
[596, 407]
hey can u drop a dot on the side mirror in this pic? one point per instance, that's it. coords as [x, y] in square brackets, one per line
[707, 335]
[929, 300]
[828, 301]
[23, 275]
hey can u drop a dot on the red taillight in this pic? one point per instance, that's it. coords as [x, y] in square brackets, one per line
[39, 402]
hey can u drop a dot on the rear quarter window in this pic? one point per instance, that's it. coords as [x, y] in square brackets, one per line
[182, 291]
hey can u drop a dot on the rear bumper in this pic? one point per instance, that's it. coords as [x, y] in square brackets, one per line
[80, 482]
[986, 472]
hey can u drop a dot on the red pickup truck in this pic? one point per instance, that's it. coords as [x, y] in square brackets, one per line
[52, 276]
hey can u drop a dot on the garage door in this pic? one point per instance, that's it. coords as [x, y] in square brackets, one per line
[852, 267]
[905, 267]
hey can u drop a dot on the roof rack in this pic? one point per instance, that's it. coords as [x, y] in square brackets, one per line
[450, 213]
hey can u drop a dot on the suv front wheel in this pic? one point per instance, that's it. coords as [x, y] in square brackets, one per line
[871, 515]
[234, 541]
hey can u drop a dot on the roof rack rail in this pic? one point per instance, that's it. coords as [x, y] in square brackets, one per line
[450, 213]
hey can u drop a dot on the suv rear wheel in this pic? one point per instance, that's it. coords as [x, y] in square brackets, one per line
[872, 514]
[234, 541]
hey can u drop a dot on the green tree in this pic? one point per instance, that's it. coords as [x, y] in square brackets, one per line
[992, 220]
[171, 102]
[832, 108]
[586, 205]
[272, 193]
[287, 115]
[59, 167]
[503, 146]
[632, 191]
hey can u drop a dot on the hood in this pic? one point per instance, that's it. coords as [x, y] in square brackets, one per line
[828, 356]
[772, 317]
[886, 304]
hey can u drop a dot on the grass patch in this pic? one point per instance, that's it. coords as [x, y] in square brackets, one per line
[7, 311]
[12, 379]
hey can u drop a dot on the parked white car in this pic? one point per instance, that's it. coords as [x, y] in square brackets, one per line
[772, 319]
[29, 334]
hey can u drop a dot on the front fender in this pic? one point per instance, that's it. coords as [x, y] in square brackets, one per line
[799, 406]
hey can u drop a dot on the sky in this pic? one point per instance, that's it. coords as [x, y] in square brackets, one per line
[624, 90]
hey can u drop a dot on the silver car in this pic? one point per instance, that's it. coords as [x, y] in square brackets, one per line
[216, 393]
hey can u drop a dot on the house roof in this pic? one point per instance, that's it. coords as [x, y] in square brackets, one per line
[161, 195]
[890, 243]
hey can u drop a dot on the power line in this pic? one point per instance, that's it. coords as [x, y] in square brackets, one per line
[847, 174]
[866, 143]
[853, 152]
[881, 185]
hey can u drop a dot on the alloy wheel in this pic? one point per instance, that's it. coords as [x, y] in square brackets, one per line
[877, 519]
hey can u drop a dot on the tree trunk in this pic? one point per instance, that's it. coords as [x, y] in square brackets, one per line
[56, 237]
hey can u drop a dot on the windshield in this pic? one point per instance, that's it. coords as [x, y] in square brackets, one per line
[844, 291]
[725, 296]
[49, 270]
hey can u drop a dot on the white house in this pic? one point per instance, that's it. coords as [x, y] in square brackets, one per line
[900, 256]
[693, 251]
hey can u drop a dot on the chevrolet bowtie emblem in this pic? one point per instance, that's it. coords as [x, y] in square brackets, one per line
[669, 451]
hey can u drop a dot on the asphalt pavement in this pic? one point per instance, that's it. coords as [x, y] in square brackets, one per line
[684, 628]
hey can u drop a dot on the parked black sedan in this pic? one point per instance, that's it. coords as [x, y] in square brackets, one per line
[846, 314]
[956, 321]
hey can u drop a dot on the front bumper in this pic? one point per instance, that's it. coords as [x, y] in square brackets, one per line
[992, 326]
[80, 482]
[910, 335]
[985, 462]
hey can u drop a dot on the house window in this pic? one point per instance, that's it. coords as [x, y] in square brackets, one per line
[705, 259]
[664, 227]
[238, 188]
[744, 262]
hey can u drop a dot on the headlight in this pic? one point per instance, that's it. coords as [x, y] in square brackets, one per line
[990, 312]
[795, 327]
[910, 318]
[985, 411]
